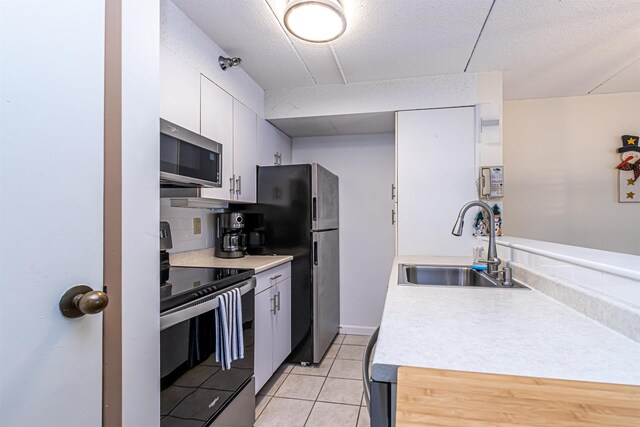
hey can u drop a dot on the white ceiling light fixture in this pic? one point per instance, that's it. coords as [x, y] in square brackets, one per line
[316, 21]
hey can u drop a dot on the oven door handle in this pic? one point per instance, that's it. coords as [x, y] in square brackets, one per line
[201, 305]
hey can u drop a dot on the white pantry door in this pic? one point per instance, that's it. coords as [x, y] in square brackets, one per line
[436, 176]
[51, 216]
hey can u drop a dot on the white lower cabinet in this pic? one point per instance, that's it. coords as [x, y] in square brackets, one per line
[272, 323]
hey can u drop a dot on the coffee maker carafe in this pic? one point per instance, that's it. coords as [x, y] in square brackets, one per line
[230, 237]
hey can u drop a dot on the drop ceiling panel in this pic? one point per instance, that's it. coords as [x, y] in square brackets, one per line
[545, 48]
[346, 124]
[628, 80]
[320, 62]
[549, 48]
[249, 30]
[412, 38]
[316, 57]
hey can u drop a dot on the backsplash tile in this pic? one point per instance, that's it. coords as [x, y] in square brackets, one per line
[181, 222]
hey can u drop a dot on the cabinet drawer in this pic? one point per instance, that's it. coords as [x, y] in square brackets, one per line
[274, 275]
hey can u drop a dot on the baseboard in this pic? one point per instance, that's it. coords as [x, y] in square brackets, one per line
[357, 330]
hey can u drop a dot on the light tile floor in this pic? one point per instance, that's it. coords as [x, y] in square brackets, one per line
[327, 395]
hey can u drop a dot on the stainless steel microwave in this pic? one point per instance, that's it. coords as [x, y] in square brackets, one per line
[188, 159]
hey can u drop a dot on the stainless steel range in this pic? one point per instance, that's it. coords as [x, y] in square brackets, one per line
[195, 390]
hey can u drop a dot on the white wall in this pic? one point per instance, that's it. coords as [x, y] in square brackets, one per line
[560, 178]
[181, 222]
[140, 214]
[182, 36]
[365, 165]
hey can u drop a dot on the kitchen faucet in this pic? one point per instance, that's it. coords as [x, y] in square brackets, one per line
[492, 261]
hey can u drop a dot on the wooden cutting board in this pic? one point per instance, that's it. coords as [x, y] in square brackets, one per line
[434, 397]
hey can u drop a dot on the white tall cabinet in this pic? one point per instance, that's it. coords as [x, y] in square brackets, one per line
[436, 174]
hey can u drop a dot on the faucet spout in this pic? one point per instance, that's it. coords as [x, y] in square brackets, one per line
[492, 252]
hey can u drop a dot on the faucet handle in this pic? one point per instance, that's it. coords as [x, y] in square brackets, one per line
[493, 261]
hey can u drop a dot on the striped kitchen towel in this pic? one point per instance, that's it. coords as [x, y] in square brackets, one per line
[228, 324]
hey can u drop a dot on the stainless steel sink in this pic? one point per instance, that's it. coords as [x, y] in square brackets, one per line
[441, 275]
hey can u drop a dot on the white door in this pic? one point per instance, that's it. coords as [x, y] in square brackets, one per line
[216, 123]
[244, 152]
[282, 322]
[436, 176]
[263, 345]
[51, 215]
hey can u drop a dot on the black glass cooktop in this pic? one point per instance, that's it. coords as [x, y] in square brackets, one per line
[186, 284]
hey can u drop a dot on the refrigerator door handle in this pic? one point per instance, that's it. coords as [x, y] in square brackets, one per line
[314, 209]
[315, 253]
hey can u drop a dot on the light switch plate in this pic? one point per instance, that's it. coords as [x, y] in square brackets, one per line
[197, 225]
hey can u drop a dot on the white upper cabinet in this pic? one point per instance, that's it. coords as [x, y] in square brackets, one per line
[216, 117]
[179, 91]
[271, 142]
[244, 152]
[189, 99]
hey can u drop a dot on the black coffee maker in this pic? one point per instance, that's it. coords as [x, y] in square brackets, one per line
[230, 237]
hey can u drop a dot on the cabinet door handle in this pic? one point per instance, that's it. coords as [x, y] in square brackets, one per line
[232, 185]
[278, 301]
[239, 181]
[393, 216]
[273, 305]
[274, 278]
[393, 191]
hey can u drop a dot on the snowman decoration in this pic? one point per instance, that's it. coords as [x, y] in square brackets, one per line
[629, 170]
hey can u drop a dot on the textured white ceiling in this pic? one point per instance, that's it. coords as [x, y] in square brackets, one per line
[551, 48]
[546, 48]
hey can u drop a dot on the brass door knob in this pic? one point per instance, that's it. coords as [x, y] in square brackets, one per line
[81, 300]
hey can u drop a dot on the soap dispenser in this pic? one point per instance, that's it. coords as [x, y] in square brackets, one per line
[478, 254]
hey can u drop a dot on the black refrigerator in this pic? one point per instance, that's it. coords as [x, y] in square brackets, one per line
[298, 206]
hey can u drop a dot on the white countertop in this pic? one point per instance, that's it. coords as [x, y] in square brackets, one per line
[502, 331]
[205, 258]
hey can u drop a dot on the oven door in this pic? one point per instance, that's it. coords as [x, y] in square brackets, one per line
[195, 391]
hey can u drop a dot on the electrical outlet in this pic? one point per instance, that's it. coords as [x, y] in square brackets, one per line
[197, 225]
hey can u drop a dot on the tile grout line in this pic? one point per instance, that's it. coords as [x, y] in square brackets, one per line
[286, 374]
[316, 400]
[320, 391]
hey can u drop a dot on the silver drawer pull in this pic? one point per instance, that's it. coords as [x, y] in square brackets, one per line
[276, 277]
